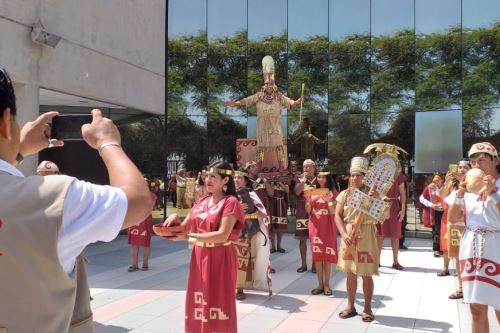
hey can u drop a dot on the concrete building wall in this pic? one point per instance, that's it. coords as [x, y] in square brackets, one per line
[111, 51]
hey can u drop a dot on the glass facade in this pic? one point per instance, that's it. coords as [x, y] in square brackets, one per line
[367, 66]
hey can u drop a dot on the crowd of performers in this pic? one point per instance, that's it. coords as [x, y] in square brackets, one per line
[240, 222]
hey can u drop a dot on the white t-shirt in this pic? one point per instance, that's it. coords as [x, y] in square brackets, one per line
[91, 213]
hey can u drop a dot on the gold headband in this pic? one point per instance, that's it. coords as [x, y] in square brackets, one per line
[241, 173]
[221, 171]
[324, 173]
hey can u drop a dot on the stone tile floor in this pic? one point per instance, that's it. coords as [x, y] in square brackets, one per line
[413, 300]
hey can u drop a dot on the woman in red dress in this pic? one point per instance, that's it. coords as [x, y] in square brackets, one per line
[140, 236]
[213, 223]
[323, 232]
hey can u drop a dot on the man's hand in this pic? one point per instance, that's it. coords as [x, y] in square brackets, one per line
[35, 135]
[489, 184]
[101, 130]
[230, 103]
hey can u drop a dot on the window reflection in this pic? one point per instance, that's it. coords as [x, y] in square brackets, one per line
[367, 67]
[313, 35]
[222, 132]
[349, 81]
[395, 128]
[187, 26]
[481, 23]
[393, 58]
[227, 29]
[349, 18]
[307, 138]
[186, 136]
[187, 85]
[438, 63]
[348, 136]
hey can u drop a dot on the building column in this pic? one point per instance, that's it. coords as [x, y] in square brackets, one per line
[28, 106]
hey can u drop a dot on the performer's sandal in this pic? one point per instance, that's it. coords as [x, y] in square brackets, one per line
[348, 313]
[301, 269]
[457, 295]
[240, 296]
[133, 268]
[367, 317]
[328, 292]
[443, 273]
[397, 267]
[281, 250]
[317, 291]
[145, 268]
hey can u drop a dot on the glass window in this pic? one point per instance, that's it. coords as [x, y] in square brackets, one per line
[310, 37]
[307, 137]
[393, 57]
[223, 131]
[439, 55]
[348, 136]
[267, 35]
[187, 86]
[349, 80]
[396, 128]
[227, 27]
[187, 27]
[481, 27]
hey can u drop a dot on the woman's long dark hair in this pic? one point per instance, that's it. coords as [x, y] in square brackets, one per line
[329, 180]
[231, 188]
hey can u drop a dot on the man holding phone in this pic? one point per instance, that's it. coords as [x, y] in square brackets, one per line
[46, 222]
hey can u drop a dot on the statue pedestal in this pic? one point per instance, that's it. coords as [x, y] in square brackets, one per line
[246, 150]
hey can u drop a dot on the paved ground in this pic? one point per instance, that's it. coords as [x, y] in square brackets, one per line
[413, 300]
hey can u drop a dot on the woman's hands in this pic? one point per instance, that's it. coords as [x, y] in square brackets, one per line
[179, 231]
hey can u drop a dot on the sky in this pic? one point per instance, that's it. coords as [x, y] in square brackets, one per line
[334, 18]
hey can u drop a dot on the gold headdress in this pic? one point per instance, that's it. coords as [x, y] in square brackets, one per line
[359, 164]
[240, 173]
[385, 148]
[268, 69]
[222, 171]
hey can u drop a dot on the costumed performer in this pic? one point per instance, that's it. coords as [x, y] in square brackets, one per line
[252, 247]
[268, 102]
[480, 244]
[323, 232]
[213, 223]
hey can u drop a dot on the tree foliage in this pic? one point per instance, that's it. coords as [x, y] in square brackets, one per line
[358, 90]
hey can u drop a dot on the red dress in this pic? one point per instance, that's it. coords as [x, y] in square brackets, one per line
[210, 300]
[140, 234]
[391, 228]
[322, 229]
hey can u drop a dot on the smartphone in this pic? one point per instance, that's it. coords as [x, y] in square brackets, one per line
[68, 127]
[453, 168]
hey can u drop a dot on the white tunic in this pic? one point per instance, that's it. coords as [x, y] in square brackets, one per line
[481, 277]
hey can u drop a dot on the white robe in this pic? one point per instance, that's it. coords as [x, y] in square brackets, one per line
[481, 285]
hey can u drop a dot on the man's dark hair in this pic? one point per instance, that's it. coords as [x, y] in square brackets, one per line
[7, 96]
